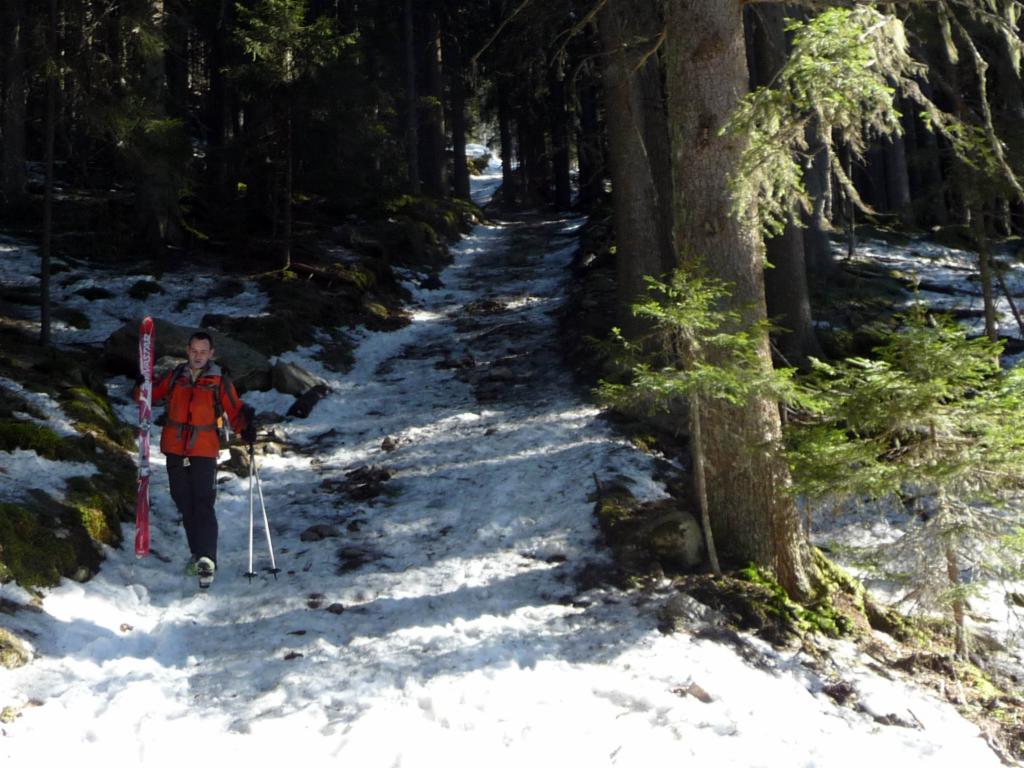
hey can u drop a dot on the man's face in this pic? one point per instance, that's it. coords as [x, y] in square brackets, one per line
[199, 353]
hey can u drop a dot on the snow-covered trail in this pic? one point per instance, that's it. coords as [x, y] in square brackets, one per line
[450, 622]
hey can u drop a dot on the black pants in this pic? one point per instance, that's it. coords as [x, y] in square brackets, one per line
[194, 490]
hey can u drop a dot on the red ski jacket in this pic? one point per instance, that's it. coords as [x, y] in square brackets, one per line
[194, 409]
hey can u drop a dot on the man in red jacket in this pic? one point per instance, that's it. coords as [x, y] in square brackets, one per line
[199, 395]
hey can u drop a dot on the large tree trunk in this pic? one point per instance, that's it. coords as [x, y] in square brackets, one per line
[559, 134]
[787, 295]
[590, 144]
[817, 245]
[1009, 87]
[155, 162]
[534, 164]
[432, 155]
[13, 41]
[638, 151]
[457, 110]
[289, 181]
[177, 22]
[897, 178]
[49, 134]
[257, 167]
[412, 151]
[752, 516]
[508, 177]
[216, 109]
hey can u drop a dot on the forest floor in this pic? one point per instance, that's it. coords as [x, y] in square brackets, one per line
[442, 598]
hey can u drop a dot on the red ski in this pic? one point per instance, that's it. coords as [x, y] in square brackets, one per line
[145, 422]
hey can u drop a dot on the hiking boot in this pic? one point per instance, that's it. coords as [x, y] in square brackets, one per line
[192, 568]
[205, 569]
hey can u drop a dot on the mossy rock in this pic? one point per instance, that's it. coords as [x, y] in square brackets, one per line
[11, 402]
[91, 412]
[58, 369]
[226, 288]
[477, 165]
[752, 600]
[13, 653]
[249, 368]
[268, 334]
[23, 295]
[849, 598]
[648, 536]
[73, 317]
[41, 539]
[16, 434]
[102, 504]
[94, 293]
[449, 217]
[143, 289]
[673, 538]
[37, 550]
[338, 356]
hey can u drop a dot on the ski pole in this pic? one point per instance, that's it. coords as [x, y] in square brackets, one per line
[254, 472]
[252, 463]
[266, 523]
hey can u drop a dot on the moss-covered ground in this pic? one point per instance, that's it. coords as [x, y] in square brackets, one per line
[43, 539]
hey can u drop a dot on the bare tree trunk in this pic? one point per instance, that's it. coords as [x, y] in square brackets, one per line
[753, 517]
[177, 22]
[508, 177]
[983, 245]
[49, 134]
[1009, 85]
[559, 134]
[787, 294]
[412, 151]
[289, 180]
[457, 87]
[534, 164]
[432, 131]
[639, 159]
[589, 145]
[931, 199]
[959, 604]
[817, 244]
[216, 111]
[700, 482]
[154, 159]
[897, 178]
[13, 40]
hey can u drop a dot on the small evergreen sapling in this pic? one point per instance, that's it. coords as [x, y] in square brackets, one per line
[697, 351]
[932, 419]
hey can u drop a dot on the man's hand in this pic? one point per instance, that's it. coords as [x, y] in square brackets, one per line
[248, 432]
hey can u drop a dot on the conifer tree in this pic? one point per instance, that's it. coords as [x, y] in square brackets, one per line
[701, 353]
[752, 514]
[931, 423]
[285, 48]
